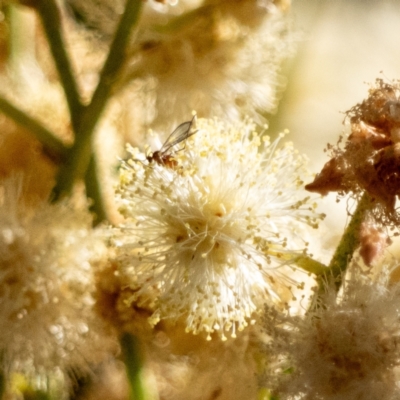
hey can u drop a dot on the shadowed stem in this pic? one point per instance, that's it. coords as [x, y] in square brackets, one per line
[2, 384]
[346, 248]
[310, 265]
[81, 151]
[81, 161]
[51, 144]
[51, 21]
[93, 192]
[132, 359]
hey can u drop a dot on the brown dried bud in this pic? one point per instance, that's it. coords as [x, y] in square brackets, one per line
[373, 242]
[361, 133]
[369, 161]
[388, 168]
[330, 179]
[379, 109]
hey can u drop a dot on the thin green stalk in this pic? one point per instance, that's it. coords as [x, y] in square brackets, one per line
[36, 395]
[51, 20]
[133, 364]
[310, 265]
[51, 144]
[21, 42]
[2, 384]
[93, 192]
[81, 152]
[112, 66]
[347, 246]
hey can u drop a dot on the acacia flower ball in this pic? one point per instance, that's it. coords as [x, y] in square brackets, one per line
[219, 57]
[212, 233]
[46, 286]
[343, 350]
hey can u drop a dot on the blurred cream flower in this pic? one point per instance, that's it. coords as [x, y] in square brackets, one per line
[102, 16]
[221, 58]
[344, 350]
[211, 234]
[46, 286]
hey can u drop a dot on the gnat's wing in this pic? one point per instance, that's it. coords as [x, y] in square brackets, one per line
[181, 133]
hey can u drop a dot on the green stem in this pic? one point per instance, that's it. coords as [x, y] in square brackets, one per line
[51, 144]
[347, 246]
[2, 384]
[31, 394]
[114, 62]
[310, 265]
[93, 192]
[51, 20]
[21, 43]
[81, 152]
[133, 364]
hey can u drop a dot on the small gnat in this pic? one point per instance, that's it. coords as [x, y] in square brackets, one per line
[164, 156]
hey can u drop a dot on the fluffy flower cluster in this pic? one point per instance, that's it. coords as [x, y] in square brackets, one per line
[345, 350]
[46, 285]
[221, 59]
[211, 234]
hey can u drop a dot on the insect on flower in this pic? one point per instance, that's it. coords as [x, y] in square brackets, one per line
[164, 156]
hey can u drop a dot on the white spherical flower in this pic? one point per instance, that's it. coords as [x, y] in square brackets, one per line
[344, 350]
[222, 58]
[213, 229]
[46, 286]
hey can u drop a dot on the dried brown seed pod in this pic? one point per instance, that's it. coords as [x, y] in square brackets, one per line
[369, 160]
[373, 242]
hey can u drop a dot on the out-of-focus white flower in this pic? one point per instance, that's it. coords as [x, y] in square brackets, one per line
[211, 233]
[344, 350]
[103, 15]
[218, 57]
[221, 59]
[46, 286]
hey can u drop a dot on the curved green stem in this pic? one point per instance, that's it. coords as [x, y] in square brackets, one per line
[20, 43]
[93, 192]
[51, 144]
[81, 151]
[333, 275]
[132, 359]
[2, 384]
[347, 246]
[51, 21]
[310, 265]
